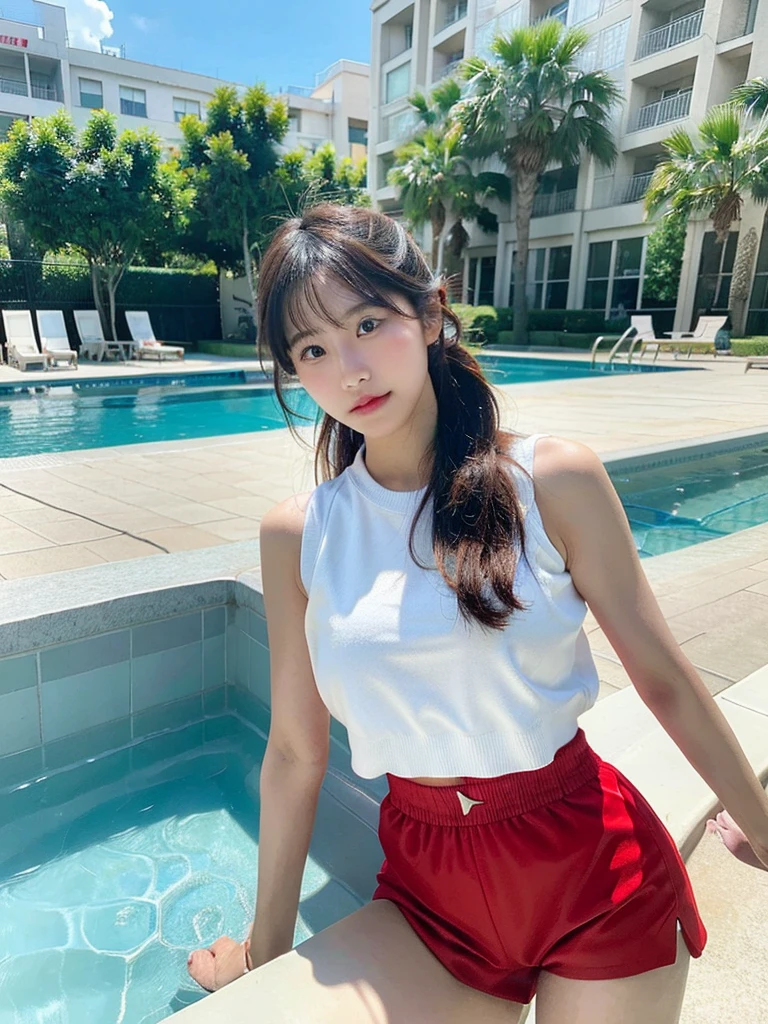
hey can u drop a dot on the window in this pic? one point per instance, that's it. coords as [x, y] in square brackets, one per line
[613, 275]
[91, 94]
[397, 83]
[482, 272]
[182, 107]
[715, 270]
[549, 272]
[584, 10]
[502, 24]
[357, 133]
[408, 31]
[606, 50]
[133, 101]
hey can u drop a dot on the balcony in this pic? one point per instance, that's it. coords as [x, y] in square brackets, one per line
[610, 191]
[454, 12]
[558, 11]
[46, 92]
[672, 108]
[14, 87]
[549, 203]
[673, 34]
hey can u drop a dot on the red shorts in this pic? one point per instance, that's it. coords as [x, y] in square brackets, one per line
[566, 869]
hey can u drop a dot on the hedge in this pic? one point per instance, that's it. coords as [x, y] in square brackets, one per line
[488, 322]
[554, 339]
[227, 348]
[749, 346]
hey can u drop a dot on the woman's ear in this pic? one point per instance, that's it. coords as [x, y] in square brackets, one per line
[434, 319]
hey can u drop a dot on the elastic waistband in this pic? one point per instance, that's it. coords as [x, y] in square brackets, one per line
[500, 797]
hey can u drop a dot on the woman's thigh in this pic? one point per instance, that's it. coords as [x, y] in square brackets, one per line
[369, 968]
[655, 996]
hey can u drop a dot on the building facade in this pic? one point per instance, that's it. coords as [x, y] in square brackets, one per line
[40, 72]
[672, 62]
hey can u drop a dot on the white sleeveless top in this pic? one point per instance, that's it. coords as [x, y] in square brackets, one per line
[420, 691]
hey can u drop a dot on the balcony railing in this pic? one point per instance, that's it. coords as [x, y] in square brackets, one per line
[455, 13]
[549, 203]
[610, 191]
[672, 34]
[673, 108]
[14, 87]
[45, 92]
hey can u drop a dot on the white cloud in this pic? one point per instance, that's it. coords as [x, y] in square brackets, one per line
[88, 21]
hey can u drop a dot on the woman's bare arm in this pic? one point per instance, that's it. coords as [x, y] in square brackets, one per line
[584, 519]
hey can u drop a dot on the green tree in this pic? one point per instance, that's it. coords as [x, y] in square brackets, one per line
[752, 96]
[106, 195]
[713, 175]
[436, 182]
[328, 179]
[231, 158]
[664, 259]
[533, 106]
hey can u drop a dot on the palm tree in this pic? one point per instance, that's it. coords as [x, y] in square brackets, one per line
[533, 106]
[435, 179]
[752, 96]
[715, 176]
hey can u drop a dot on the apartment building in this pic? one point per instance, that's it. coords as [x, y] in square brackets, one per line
[40, 72]
[335, 108]
[671, 60]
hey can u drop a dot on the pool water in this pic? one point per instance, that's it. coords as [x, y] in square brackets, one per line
[674, 506]
[99, 912]
[65, 416]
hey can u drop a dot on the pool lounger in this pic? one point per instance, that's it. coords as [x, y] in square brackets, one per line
[23, 353]
[146, 344]
[760, 363]
[53, 337]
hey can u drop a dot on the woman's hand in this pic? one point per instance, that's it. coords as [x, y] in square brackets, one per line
[734, 839]
[223, 962]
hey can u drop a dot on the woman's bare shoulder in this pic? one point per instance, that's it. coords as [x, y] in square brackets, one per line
[286, 519]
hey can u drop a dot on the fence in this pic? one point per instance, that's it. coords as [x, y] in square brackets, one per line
[183, 305]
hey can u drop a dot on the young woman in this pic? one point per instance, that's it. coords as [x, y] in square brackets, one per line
[430, 594]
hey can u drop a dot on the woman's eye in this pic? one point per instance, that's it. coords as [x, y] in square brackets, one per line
[314, 349]
[369, 325]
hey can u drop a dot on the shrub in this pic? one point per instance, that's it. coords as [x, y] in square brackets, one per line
[749, 346]
[477, 322]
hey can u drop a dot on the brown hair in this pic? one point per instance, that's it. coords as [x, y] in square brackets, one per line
[477, 522]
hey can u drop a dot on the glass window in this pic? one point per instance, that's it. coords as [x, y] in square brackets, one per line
[548, 275]
[599, 259]
[560, 263]
[596, 294]
[613, 45]
[182, 107]
[471, 281]
[133, 101]
[398, 82]
[357, 134]
[91, 94]
[715, 269]
[485, 286]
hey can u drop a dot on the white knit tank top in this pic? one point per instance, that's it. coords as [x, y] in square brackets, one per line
[420, 691]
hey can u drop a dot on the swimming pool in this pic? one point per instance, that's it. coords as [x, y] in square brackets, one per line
[696, 497]
[61, 415]
[105, 895]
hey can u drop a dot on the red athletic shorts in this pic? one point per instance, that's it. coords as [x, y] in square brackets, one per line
[566, 868]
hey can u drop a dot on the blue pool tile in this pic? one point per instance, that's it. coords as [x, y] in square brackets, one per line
[21, 767]
[257, 628]
[88, 743]
[86, 777]
[166, 676]
[214, 701]
[179, 631]
[258, 671]
[85, 655]
[85, 700]
[19, 720]
[166, 746]
[213, 662]
[241, 618]
[214, 622]
[218, 728]
[249, 707]
[18, 673]
[168, 716]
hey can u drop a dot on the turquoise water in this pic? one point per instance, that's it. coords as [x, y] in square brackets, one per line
[675, 506]
[97, 414]
[100, 906]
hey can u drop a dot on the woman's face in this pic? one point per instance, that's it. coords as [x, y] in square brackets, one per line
[371, 373]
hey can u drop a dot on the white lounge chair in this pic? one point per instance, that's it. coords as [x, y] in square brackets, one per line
[23, 352]
[758, 362]
[147, 345]
[640, 329]
[54, 339]
[701, 339]
[92, 342]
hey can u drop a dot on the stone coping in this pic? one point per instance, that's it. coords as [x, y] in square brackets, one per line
[623, 731]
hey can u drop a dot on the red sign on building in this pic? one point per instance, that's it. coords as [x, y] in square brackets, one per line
[14, 41]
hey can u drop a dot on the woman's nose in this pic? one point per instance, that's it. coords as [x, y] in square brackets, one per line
[354, 371]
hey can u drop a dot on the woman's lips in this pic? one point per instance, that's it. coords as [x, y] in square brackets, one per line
[371, 404]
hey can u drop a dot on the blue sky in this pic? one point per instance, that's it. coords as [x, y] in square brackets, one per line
[280, 42]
